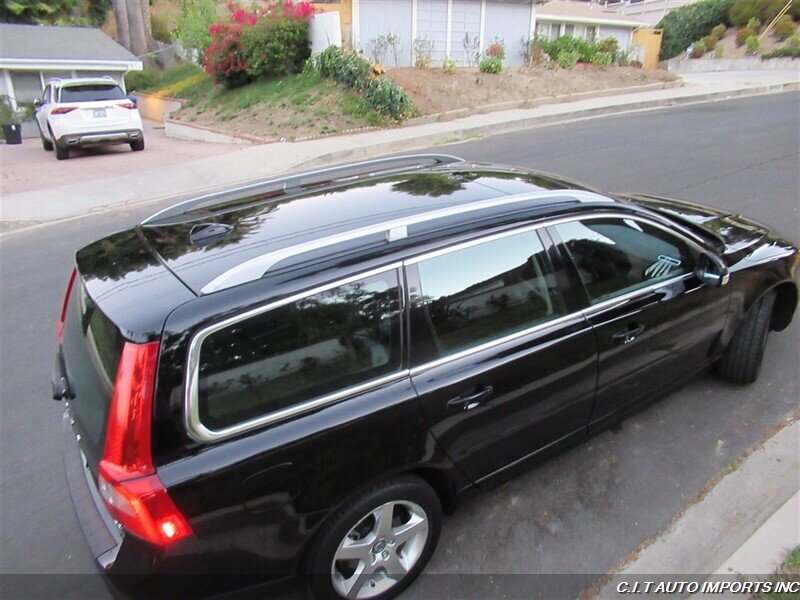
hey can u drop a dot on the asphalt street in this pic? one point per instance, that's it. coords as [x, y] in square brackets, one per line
[579, 513]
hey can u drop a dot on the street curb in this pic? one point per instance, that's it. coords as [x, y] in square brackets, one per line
[704, 536]
[470, 132]
[28, 206]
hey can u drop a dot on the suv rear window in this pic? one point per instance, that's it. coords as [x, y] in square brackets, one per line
[321, 344]
[91, 93]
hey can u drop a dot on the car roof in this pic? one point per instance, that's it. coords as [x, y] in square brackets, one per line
[106, 80]
[238, 239]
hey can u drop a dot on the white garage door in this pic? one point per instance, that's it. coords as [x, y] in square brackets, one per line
[382, 17]
[432, 25]
[466, 20]
[511, 22]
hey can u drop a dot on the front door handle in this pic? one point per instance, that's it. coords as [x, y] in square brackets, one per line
[627, 335]
[470, 401]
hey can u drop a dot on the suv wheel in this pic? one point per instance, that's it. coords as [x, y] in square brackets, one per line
[376, 545]
[46, 144]
[138, 145]
[741, 362]
[62, 152]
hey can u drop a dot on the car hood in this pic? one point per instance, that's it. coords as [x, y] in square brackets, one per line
[737, 236]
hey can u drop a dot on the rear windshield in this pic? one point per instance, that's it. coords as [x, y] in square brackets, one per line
[92, 348]
[95, 92]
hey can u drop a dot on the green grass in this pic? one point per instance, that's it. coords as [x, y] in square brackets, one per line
[789, 571]
[354, 105]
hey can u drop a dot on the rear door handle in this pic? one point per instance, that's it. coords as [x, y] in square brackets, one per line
[470, 401]
[626, 336]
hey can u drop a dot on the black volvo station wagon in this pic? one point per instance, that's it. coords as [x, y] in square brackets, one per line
[300, 376]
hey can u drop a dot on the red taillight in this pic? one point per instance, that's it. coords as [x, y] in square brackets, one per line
[63, 318]
[128, 105]
[62, 110]
[127, 479]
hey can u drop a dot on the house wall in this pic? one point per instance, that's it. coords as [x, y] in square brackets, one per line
[622, 34]
[511, 23]
[28, 84]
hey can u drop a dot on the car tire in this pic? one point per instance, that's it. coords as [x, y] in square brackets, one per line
[62, 152]
[741, 361]
[338, 566]
[138, 145]
[46, 144]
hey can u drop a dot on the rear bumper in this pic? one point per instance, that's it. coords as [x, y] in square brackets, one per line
[121, 136]
[99, 528]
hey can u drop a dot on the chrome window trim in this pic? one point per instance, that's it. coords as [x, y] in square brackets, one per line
[584, 313]
[255, 268]
[192, 421]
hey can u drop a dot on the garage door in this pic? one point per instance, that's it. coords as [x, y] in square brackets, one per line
[511, 22]
[377, 19]
[466, 20]
[432, 25]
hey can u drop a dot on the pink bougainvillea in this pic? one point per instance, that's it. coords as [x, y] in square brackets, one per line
[225, 59]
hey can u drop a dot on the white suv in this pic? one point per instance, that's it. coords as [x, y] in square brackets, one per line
[87, 111]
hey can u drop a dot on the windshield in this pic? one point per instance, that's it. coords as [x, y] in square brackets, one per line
[92, 93]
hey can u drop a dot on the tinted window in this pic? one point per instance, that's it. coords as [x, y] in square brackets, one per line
[487, 291]
[315, 346]
[91, 93]
[615, 256]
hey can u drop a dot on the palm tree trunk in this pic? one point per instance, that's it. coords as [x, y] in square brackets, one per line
[121, 20]
[136, 27]
[148, 27]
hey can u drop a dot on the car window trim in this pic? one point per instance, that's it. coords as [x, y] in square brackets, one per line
[592, 308]
[192, 421]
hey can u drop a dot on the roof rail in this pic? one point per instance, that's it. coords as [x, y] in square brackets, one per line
[299, 181]
[397, 229]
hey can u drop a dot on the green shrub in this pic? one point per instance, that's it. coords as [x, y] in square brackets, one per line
[698, 49]
[743, 34]
[752, 44]
[388, 98]
[568, 59]
[710, 41]
[160, 27]
[784, 52]
[719, 50]
[191, 28]
[535, 51]
[449, 66]
[348, 68]
[609, 44]
[275, 47]
[691, 22]
[351, 69]
[603, 59]
[719, 31]
[764, 10]
[141, 80]
[566, 43]
[754, 24]
[784, 28]
[491, 64]
[794, 41]
[624, 59]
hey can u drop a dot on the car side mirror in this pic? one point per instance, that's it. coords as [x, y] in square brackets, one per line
[37, 103]
[712, 271]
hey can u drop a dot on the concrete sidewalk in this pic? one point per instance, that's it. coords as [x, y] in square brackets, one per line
[744, 526]
[259, 162]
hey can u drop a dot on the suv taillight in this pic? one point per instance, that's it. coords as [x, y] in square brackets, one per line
[62, 110]
[62, 319]
[127, 479]
[128, 105]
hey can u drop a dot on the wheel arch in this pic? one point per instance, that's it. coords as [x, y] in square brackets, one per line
[785, 305]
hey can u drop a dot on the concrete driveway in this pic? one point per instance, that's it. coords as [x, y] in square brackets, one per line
[28, 167]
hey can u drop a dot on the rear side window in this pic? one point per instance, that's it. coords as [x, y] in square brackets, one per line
[480, 293]
[615, 255]
[91, 93]
[301, 351]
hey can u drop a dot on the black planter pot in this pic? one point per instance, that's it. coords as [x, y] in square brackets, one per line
[12, 133]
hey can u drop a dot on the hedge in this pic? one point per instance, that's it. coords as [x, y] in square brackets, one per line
[691, 22]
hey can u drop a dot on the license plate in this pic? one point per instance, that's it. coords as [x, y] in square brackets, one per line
[99, 113]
